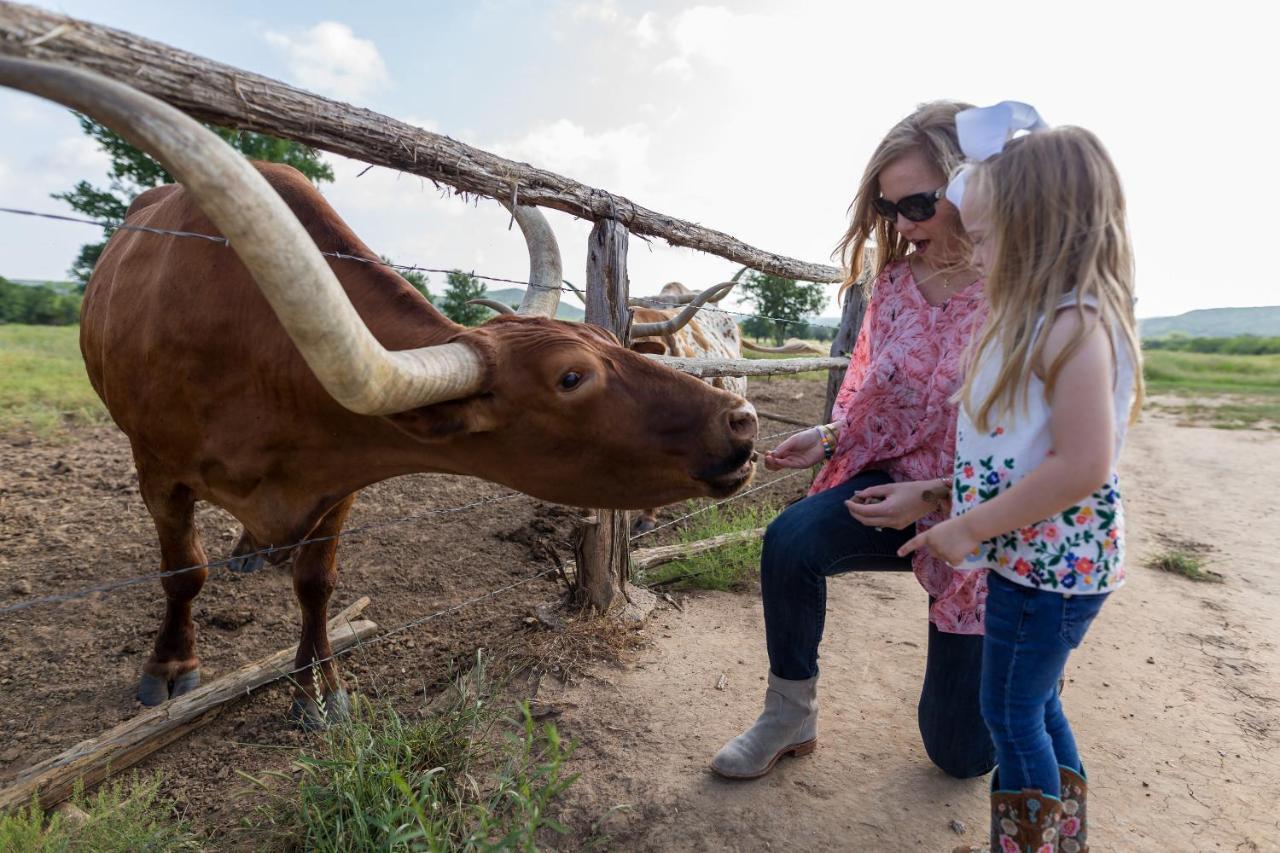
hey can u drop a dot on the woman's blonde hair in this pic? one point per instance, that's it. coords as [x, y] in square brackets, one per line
[1057, 227]
[929, 131]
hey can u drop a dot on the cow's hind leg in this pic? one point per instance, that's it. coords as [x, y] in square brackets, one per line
[173, 668]
[644, 521]
[320, 697]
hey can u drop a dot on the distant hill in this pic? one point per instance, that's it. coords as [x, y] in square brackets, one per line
[1215, 323]
[567, 310]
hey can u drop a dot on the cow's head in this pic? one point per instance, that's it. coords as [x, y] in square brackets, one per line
[561, 411]
[569, 415]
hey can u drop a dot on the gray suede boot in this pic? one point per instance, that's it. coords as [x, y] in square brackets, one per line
[788, 725]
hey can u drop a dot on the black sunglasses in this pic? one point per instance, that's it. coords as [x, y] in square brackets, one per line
[917, 207]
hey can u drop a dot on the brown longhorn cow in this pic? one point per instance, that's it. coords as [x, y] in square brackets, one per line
[276, 384]
[678, 322]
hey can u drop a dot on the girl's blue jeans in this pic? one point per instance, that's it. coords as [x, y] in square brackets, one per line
[1029, 634]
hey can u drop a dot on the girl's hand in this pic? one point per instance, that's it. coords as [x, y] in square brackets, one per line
[895, 505]
[799, 451]
[950, 540]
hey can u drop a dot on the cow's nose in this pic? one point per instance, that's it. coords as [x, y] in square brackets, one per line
[742, 422]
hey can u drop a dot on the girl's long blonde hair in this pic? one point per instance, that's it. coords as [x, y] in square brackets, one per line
[929, 131]
[1057, 226]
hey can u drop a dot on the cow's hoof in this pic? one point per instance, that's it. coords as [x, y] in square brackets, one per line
[246, 564]
[643, 525]
[311, 715]
[153, 690]
[185, 683]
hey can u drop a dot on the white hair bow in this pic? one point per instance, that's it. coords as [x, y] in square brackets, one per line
[983, 133]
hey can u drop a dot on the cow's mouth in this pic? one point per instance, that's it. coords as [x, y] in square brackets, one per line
[731, 474]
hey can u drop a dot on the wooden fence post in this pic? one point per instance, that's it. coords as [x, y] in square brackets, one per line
[602, 548]
[855, 308]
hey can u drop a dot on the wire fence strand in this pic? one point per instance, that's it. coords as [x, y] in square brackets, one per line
[112, 586]
[653, 302]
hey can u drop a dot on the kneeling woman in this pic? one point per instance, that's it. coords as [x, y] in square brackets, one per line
[889, 449]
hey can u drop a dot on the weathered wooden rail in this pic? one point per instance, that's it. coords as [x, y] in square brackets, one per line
[232, 97]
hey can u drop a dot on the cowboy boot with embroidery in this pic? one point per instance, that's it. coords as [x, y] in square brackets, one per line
[1023, 821]
[1073, 829]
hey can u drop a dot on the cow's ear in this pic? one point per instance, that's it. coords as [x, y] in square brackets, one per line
[649, 347]
[446, 420]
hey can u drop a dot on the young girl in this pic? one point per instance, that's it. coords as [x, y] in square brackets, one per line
[1052, 383]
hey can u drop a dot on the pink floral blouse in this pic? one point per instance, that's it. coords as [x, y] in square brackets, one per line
[896, 416]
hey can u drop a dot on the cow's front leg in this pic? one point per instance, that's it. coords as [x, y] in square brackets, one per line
[319, 698]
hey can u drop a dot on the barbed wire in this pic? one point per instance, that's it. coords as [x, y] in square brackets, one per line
[652, 302]
[769, 485]
[112, 586]
[421, 620]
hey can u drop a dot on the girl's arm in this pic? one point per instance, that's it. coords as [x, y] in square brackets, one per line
[1082, 427]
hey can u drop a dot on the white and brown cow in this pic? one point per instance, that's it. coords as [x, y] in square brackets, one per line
[710, 333]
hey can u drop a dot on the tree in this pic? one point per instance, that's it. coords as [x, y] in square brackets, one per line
[417, 278]
[37, 305]
[461, 288]
[133, 171]
[785, 302]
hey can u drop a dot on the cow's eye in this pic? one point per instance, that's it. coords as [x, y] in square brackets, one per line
[570, 380]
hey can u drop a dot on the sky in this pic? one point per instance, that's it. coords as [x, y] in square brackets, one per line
[753, 118]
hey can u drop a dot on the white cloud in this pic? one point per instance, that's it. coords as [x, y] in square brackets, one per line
[78, 154]
[617, 159]
[332, 59]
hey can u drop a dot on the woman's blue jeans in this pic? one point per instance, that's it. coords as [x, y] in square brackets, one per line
[1030, 633]
[815, 538]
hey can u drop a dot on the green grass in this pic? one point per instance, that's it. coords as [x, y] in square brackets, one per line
[819, 375]
[1207, 373]
[463, 778]
[43, 386]
[122, 816]
[727, 568]
[1223, 391]
[1184, 562]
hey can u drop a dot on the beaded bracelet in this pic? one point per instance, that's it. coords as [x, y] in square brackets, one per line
[828, 441]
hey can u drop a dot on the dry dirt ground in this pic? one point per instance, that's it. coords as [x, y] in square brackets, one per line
[1174, 694]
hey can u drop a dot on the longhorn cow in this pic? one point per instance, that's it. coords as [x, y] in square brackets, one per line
[276, 384]
[688, 328]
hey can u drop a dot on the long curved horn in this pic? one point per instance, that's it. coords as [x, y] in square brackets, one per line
[545, 270]
[667, 327]
[281, 256]
[500, 307]
[684, 298]
[576, 292]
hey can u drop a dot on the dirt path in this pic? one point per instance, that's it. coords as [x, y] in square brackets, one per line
[1174, 695]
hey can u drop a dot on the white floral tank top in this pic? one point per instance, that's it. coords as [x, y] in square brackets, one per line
[1080, 551]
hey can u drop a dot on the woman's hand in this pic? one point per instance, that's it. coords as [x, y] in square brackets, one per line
[799, 451]
[951, 540]
[895, 505]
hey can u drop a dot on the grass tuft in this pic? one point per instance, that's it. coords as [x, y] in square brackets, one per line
[465, 777]
[122, 816]
[1184, 562]
[731, 567]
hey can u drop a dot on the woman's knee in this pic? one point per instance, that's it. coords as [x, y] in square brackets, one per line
[962, 758]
